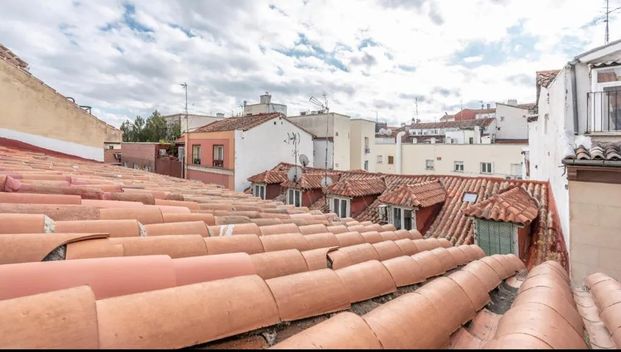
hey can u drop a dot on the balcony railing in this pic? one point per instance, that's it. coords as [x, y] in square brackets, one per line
[604, 111]
[218, 163]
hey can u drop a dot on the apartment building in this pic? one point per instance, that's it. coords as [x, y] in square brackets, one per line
[191, 122]
[265, 106]
[574, 144]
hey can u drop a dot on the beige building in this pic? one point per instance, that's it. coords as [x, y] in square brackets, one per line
[362, 136]
[333, 132]
[498, 160]
[34, 113]
[265, 106]
[594, 208]
[192, 121]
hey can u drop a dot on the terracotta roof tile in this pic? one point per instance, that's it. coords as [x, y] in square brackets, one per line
[417, 195]
[358, 187]
[243, 123]
[514, 205]
[310, 180]
[269, 177]
[545, 77]
[598, 151]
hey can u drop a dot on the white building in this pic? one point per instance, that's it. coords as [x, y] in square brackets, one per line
[511, 121]
[192, 122]
[577, 105]
[229, 151]
[333, 131]
[265, 106]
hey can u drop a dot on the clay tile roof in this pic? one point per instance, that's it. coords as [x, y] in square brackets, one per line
[351, 187]
[544, 78]
[470, 123]
[514, 205]
[310, 180]
[243, 123]
[417, 195]
[268, 177]
[598, 151]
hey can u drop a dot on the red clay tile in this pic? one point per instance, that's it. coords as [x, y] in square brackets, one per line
[170, 209]
[37, 198]
[284, 241]
[144, 215]
[186, 315]
[98, 203]
[389, 236]
[463, 339]
[446, 259]
[94, 248]
[65, 319]
[25, 247]
[335, 229]
[484, 273]
[349, 238]
[279, 229]
[321, 240]
[115, 228]
[202, 268]
[408, 247]
[25, 223]
[229, 244]
[553, 299]
[472, 287]
[459, 256]
[107, 277]
[430, 264]
[176, 246]
[404, 270]
[311, 229]
[345, 256]
[278, 263]
[372, 237]
[234, 229]
[208, 219]
[178, 203]
[548, 281]
[387, 250]
[484, 325]
[388, 227]
[497, 266]
[342, 331]
[317, 258]
[177, 228]
[517, 341]
[453, 305]
[366, 280]
[401, 234]
[308, 294]
[408, 321]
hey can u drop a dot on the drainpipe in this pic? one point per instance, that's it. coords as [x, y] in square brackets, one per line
[398, 152]
[574, 93]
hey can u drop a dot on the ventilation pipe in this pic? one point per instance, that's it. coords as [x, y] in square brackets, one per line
[398, 152]
[574, 94]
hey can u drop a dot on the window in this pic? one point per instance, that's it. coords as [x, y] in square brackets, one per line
[470, 140]
[340, 206]
[366, 165]
[218, 155]
[391, 160]
[428, 164]
[259, 191]
[367, 150]
[516, 170]
[379, 159]
[196, 154]
[459, 166]
[294, 196]
[402, 218]
[470, 197]
[502, 118]
[486, 168]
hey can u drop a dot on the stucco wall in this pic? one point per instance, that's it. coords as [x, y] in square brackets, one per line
[342, 142]
[359, 130]
[263, 146]
[34, 113]
[511, 122]
[414, 156]
[595, 228]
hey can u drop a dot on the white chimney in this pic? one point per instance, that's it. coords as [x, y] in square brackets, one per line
[266, 98]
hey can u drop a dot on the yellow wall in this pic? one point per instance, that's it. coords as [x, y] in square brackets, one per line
[30, 107]
[595, 229]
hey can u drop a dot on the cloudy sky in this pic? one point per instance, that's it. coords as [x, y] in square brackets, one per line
[126, 58]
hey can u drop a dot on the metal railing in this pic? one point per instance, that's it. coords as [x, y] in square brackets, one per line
[604, 111]
[218, 163]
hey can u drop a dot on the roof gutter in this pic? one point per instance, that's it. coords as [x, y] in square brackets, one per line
[580, 162]
[574, 93]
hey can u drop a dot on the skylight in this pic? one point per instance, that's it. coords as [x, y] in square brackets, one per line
[470, 197]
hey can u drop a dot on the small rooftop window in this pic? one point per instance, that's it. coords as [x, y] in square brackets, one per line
[470, 197]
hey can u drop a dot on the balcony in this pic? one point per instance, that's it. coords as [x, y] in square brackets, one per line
[604, 112]
[367, 150]
[218, 163]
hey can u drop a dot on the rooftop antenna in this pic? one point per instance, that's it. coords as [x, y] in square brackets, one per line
[606, 18]
[416, 102]
[324, 107]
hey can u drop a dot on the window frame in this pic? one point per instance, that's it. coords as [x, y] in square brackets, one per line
[427, 167]
[393, 210]
[196, 154]
[261, 187]
[340, 200]
[380, 159]
[491, 167]
[456, 163]
[293, 195]
[218, 162]
[391, 160]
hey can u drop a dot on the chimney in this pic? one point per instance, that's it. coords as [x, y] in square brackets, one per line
[244, 103]
[266, 98]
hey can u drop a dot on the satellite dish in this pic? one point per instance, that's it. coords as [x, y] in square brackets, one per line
[326, 181]
[294, 174]
[304, 160]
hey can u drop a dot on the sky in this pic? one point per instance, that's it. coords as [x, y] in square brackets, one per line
[372, 59]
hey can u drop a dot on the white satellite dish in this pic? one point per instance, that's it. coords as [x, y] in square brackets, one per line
[294, 174]
[326, 181]
[304, 160]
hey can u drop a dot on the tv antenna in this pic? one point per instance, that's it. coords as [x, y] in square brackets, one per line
[324, 109]
[294, 138]
[606, 19]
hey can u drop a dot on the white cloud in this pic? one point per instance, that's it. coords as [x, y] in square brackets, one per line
[235, 52]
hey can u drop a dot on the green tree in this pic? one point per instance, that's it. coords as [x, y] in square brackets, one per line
[153, 129]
